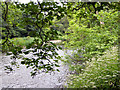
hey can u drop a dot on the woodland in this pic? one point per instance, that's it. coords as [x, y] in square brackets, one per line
[90, 29]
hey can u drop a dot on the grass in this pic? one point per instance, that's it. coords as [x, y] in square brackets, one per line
[19, 42]
[23, 41]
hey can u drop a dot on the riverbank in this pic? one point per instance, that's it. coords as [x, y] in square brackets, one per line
[55, 41]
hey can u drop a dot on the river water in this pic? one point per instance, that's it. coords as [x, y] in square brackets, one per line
[21, 78]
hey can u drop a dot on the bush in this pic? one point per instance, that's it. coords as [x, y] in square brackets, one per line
[93, 41]
[99, 73]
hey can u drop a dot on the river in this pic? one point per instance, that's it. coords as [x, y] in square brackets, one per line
[21, 78]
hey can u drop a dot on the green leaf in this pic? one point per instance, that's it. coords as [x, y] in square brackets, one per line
[58, 17]
[9, 53]
[57, 65]
[53, 44]
[58, 70]
[60, 47]
[33, 73]
[22, 62]
[56, 61]
[27, 52]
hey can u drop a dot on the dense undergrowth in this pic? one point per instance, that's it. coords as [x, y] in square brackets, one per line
[94, 63]
[99, 73]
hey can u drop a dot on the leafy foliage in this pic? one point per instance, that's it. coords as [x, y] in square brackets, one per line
[100, 73]
[40, 17]
[11, 19]
[91, 29]
[90, 34]
[93, 41]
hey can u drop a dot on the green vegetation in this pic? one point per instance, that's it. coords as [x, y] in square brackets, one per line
[99, 73]
[22, 41]
[18, 42]
[33, 20]
[90, 36]
[90, 29]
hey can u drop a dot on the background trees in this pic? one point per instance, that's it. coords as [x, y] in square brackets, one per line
[39, 16]
[11, 17]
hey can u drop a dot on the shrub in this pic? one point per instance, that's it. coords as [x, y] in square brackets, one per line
[99, 73]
